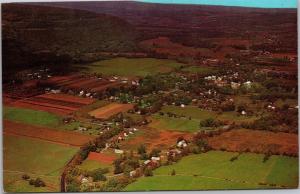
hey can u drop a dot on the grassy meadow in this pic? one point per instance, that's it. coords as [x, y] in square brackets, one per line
[200, 70]
[35, 158]
[29, 116]
[196, 116]
[214, 170]
[44, 119]
[132, 67]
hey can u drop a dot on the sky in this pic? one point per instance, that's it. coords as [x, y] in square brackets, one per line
[240, 3]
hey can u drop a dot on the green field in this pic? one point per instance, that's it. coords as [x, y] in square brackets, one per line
[42, 118]
[33, 117]
[175, 124]
[234, 116]
[200, 69]
[37, 159]
[132, 67]
[214, 170]
[189, 111]
[90, 165]
[181, 124]
[197, 115]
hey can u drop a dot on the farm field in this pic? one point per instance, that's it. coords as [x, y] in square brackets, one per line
[132, 67]
[181, 124]
[152, 138]
[214, 170]
[185, 124]
[33, 117]
[61, 104]
[203, 70]
[90, 165]
[175, 124]
[47, 134]
[29, 156]
[81, 82]
[109, 110]
[45, 119]
[83, 112]
[101, 157]
[256, 141]
[142, 96]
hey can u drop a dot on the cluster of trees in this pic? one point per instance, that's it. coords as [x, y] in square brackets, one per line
[227, 106]
[125, 164]
[211, 122]
[281, 120]
[98, 174]
[74, 184]
[142, 151]
[38, 182]
[115, 184]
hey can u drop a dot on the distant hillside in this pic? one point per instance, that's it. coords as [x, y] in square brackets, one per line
[194, 25]
[37, 34]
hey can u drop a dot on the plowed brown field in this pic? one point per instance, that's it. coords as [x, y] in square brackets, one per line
[61, 104]
[153, 138]
[43, 133]
[255, 141]
[108, 159]
[110, 110]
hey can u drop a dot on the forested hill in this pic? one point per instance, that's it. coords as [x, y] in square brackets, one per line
[37, 34]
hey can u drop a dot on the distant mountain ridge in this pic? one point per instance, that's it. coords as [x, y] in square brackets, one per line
[190, 23]
[34, 34]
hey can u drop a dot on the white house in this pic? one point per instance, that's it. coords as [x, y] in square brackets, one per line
[84, 180]
[155, 158]
[182, 144]
[117, 151]
[132, 173]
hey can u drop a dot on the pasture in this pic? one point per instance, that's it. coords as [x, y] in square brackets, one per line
[174, 124]
[28, 116]
[188, 118]
[132, 66]
[182, 123]
[45, 119]
[203, 70]
[36, 158]
[214, 170]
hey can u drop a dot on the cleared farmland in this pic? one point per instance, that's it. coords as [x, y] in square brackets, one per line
[107, 111]
[81, 82]
[132, 67]
[45, 119]
[35, 158]
[214, 170]
[153, 138]
[204, 70]
[101, 157]
[47, 134]
[256, 141]
[189, 118]
[28, 116]
[61, 104]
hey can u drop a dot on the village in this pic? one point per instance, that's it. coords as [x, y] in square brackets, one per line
[130, 104]
[149, 106]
